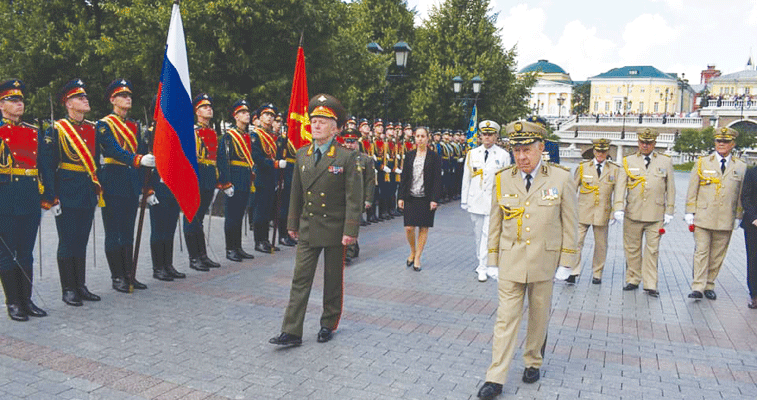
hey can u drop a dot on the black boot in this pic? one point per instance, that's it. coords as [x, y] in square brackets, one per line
[25, 278]
[158, 268]
[195, 262]
[117, 272]
[67, 271]
[80, 266]
[168, 261]
[127, 253]
[13, 295]
[203, 250]
[231, 249]
[240, 252]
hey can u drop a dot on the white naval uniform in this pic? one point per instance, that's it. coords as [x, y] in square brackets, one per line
[476, 195]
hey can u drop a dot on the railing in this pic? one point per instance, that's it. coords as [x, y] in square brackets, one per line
[732, 104]
[634, 121]
[629, 137]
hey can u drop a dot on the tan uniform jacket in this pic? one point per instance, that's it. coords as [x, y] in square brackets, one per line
[714, 197]
[531, 233]
[650, 192]
[327, 198]
[596, 195]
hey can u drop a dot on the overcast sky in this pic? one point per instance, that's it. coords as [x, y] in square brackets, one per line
[589, 37]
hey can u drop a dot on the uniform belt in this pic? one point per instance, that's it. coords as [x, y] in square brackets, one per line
[239, 163]
[18, 171]
[109, 160]
[291, 160]
[72, 167]
[207, 162]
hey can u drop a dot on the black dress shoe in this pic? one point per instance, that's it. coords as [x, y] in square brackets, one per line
[138, 285]
[262, 247]
[490, 390]
[71, 298]
[652, 292]
[325, 334]
[287, 241]
[596, 281]
[17, 313]
[710, 294]
[531, 375]
[33, 311]
[630, 286]
[230, 255]
[161, 274]
[174, 273]
[363, 223]
[347, 261]
[285, 339]
[208, 263]
[695, 295]
[85, 294]
[571, 279]
[120, 285]
[245, 255]
[197, 264]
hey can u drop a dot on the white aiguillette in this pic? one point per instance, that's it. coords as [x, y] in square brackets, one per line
[562, 273]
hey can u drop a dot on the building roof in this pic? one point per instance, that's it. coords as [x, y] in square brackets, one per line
[543, 66]
[633, 71]
[747, 74]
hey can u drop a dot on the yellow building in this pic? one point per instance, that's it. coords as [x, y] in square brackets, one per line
[735, 84]
[639, 90]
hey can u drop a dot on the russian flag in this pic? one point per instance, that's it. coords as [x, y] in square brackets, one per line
[174, 146]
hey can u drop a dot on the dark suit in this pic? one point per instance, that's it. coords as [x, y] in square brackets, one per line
[432, 176]
[749, 203]
[325, 204]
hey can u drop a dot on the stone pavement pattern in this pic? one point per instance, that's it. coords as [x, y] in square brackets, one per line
[403, 335]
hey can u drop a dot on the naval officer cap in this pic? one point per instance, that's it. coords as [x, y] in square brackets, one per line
[647, 135]
[488, 127]
[12, 89]
[327, 106]
[524, 132]
[601, 144]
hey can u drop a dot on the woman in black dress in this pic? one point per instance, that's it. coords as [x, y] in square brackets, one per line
[418, 194]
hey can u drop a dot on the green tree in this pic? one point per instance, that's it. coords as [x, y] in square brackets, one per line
[695, 141]
[581, 98]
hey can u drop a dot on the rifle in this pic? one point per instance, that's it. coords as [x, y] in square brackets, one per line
[142, 206]
[277, 200]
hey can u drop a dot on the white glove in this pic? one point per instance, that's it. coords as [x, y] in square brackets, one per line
[460, 159]
[229, 192]
[563, 273]
[152, 200]
[666, 219]
[397, 171]
[282, 164]
[147, 160]
[386, 169]
[736, 224]
[619, 215]
[56, 210]
[689, 218]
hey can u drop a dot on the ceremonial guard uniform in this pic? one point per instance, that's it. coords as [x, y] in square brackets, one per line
[287, 152]
[650, 203]
[368, 175]
[713, 202]
[235, 174]
[532, 231]
[19, 202]
[601, 186]
[164, 215]
[124, 151]
[481, 164]
[264, 151]
[324, 212]
[71, 155]
[207, 150]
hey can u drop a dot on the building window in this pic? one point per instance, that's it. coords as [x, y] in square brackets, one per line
[656, 107]
[629, 106]
[619, 89]
[642, 89]
[596, 106]
[607, 89]
[657, 89]
[641, 107]
[746, 90]
[607, 106]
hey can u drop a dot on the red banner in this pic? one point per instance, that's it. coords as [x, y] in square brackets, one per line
[298, 121]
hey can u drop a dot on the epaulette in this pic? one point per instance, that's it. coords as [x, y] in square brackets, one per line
[88, 122]
[558, 166]
[586, 161]
[613, 163]
[504, 169]
[28, 125]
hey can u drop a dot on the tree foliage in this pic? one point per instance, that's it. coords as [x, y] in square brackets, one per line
[581, 98]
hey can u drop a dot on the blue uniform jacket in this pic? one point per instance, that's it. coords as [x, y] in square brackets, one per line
[239, 176]
[119, 180]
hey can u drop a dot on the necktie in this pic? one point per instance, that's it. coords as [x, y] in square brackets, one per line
[646, 162]
[486, 155]
[317, 156]
[528, 182]
[599, 170]
[722, 165]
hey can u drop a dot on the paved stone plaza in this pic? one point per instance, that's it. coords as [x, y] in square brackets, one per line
[403, 334]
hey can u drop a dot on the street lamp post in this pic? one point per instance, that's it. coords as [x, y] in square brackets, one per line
[682, 84]
[457, 86]
[401, 54]
[560, 101]
[666, 96]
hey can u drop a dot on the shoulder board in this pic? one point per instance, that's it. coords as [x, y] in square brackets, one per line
[550, 140]
[505, 169]
[88, 122]
[663, 154]
[551, 164]
[613, 163]
[28, 125]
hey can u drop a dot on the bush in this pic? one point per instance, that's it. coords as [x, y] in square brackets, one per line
[686, 167]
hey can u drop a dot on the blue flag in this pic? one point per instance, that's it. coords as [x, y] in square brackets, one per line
[472, 128]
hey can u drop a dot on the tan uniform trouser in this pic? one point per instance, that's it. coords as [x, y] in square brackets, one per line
[640, 269]
[709, 252]
[509, 315]
[600, 249]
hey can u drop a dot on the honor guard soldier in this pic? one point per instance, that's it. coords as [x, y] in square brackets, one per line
[532, 231]
[236, 176]
[713, 202]
[650, 203]
[368, 176]
[458, 160]
[71, 155]
[481, 164]
[367, 148]
[287, 152]
[206, 140]
[124, 152]
[551, 148]
[265, 154]
[19, 202]
[324, 213]
[601, 186]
